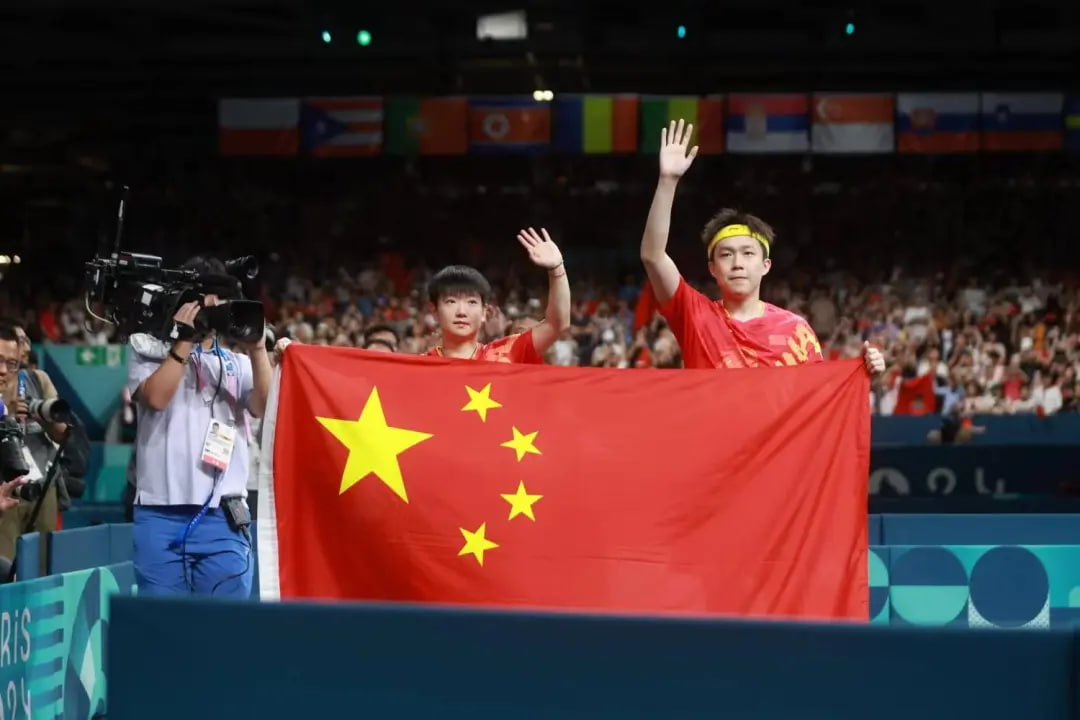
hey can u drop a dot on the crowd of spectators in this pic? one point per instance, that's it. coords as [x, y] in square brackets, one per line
[963, 277]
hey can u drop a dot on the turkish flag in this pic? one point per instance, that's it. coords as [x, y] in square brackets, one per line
[402, 478]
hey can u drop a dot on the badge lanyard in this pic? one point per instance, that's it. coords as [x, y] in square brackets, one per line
[232, 393]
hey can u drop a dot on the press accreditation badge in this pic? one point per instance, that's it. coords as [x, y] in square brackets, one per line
[220, 439]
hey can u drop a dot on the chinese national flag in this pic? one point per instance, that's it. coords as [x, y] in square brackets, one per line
[400, 478]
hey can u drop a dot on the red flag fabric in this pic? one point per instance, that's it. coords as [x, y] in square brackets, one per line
[646, 307]
[916, 396]
[401, 478]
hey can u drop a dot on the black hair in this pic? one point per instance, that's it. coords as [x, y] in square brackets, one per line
[204, 265]
[454, 279]
[374, 329]
[7, 331]
[376, 341]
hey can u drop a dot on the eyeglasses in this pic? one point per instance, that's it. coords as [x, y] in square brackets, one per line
[12, 365]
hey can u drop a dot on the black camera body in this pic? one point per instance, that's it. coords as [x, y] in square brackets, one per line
[139, 295]
[13, 459]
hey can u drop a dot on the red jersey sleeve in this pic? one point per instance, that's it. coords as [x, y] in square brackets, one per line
[685, 313]
[513, 349]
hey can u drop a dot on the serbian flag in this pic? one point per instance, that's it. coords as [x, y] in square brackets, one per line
[768, 123]
[265, 126]
[419, 479]
[509, 125]
[937, 123]
[1022, 121]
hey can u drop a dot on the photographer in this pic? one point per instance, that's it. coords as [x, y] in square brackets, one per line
[23, 389]
[191, 453]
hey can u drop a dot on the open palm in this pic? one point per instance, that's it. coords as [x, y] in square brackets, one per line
[674, 158]
[542, 251]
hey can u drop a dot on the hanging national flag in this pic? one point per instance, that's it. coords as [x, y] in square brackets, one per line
[342, 126]
[596, 124]
[507, 125]
[1072, 122]
[853, 123]
[937, 123]
[259, 126]
[1022, 121]
[427, 126]
[706, 114]
[916, 396]
[413, 479]
[768, 123]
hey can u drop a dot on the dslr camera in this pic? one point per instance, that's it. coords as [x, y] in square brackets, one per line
[13, 459]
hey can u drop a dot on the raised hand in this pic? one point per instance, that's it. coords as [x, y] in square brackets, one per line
[542, 251]
[674, 140]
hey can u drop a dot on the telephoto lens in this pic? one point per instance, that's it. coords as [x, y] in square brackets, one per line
[30, 492]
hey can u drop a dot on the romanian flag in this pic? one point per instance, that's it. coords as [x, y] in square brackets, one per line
[937, 123]
[707, 115]
[259, 127]
[509, 125]
[418, 479]
[427, 126]
[343, 126]
[1022, 121]
[1072, 122]
[768, 123]
[852, 123]
[596, 124]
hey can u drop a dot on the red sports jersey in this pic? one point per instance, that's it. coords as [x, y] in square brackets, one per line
[510, 349]
[710, 338]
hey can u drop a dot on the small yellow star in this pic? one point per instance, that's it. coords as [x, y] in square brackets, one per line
[373, 445]
[476, 543]
[480, 401]
[521, 502]
[522, 444]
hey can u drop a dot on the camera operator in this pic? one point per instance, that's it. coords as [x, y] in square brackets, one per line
[23, 388]
[191, 454]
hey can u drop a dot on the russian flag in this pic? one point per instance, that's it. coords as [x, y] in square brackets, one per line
[937, 123]
[768, 123]
[1022, 121]
[259, 126]
[509, 125]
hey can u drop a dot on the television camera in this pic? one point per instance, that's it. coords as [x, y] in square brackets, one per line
[139, 295]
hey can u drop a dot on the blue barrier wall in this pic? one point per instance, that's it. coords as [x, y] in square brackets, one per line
[52, 643]
[404, 661]
[1000, 430]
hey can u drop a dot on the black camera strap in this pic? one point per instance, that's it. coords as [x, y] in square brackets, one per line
[51, 474]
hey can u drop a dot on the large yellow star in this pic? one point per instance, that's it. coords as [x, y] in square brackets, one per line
[480, 401]
[522, 444]
[476, 543]
[521, 502]
[373, 446]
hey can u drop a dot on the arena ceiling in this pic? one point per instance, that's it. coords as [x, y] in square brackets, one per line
[172, 49]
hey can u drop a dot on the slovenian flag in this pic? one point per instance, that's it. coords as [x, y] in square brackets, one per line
[1022, 121]
[768, 123]
[937, 123]
[343, 126]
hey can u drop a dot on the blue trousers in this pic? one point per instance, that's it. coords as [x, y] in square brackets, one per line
[212, 560]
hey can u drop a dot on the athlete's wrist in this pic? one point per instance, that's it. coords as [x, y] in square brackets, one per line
[558, 271]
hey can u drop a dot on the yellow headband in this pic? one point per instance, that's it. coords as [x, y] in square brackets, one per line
[733, 230]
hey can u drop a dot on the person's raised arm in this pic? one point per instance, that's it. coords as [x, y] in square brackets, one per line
[545, 253]
[157, 390]
[674, 161]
